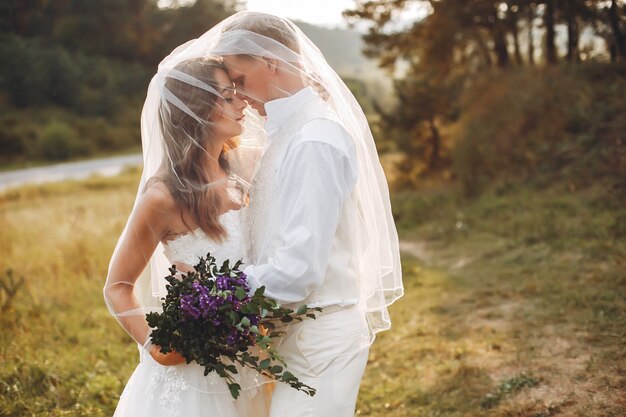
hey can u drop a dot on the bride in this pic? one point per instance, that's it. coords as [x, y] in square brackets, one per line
[189, 203]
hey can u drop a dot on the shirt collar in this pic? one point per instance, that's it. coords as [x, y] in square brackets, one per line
[279, 111]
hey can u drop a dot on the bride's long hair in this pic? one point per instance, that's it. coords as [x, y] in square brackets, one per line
[183, 169]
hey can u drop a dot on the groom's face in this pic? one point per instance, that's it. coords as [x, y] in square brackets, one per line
[252, 78]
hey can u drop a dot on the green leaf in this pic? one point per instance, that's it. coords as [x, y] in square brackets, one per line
[286, 319]
[302, 309]
[245, 322]
[234, 390]
[259, 291]
[240, 293]
[233, 316]
[265, 363]
[288, 376]
[246, 309]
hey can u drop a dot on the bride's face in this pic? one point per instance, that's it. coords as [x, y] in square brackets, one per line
[228, 119]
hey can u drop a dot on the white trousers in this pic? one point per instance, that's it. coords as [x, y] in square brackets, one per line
[328, 354]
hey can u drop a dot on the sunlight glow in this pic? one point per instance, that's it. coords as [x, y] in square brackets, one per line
[319, 12]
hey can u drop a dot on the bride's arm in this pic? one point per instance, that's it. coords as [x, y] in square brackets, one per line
[147, 226]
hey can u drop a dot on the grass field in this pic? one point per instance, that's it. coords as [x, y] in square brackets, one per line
[515, 304]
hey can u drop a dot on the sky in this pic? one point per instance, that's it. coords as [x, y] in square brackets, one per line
[319, 12]
[328, 12]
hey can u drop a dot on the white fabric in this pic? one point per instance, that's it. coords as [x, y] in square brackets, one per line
[155, 390]
[146, 290]
[187, 248]
[307, 209]
[320, 219]
[279, 44]
[327, 354]
[368, 234]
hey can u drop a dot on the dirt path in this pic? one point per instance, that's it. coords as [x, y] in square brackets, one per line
[514, 348]
[416, 249]
[68, 170]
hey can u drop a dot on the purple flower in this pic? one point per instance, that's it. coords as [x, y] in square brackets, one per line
[254, 319]
[200, 303]
[187, 305]
[232, 338]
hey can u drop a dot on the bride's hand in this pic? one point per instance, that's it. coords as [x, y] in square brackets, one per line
[166, 359]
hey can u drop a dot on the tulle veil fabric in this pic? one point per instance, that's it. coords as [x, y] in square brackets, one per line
[377, 255]
[263, 36]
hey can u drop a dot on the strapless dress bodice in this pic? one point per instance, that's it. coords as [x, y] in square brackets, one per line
[188, 247]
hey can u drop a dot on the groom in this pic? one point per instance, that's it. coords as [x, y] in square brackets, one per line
[302, 218]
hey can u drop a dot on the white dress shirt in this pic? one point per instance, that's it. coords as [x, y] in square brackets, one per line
[302, 206]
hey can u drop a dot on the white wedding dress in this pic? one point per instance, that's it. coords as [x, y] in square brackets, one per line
[155, 390]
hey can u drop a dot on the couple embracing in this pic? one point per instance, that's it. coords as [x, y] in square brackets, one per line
[255, 149]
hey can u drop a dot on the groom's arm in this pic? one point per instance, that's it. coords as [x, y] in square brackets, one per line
[316, 177]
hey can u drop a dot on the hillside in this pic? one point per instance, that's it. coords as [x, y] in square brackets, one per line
[342, 49]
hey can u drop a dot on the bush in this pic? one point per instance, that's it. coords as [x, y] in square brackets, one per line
[59, 141]
[542, 124]
[59, 103]
[14, 136]
[109, 135]
[35, 74]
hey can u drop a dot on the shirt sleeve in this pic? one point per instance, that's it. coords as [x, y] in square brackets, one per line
[316, 178]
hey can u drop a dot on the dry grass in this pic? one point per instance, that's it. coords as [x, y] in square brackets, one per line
[508, 311]
[60, 352]
[505, 313]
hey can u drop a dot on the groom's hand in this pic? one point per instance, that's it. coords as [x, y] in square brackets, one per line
[166, 359]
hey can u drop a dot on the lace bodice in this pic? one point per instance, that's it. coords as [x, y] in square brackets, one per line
[187, 248]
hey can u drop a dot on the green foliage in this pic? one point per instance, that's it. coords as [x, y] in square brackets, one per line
[130, 31]
[210, 317]
[88, 62]
[59, 141]
[35, 75]
[25, 133]
[66, 104]
[39, 74]
[541, 125]
[15, 135]
[509, 386]
[477, 60]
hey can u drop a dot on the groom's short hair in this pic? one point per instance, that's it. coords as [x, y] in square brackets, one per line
[267, 25]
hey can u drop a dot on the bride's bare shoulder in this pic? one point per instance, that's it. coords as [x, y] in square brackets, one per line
[157, 196]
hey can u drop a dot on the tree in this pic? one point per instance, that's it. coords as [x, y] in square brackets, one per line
[425, 103]
[571, 17]
[616, 20]
[548, 22]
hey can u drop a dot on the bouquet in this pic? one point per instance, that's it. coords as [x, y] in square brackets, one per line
[210, 317]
